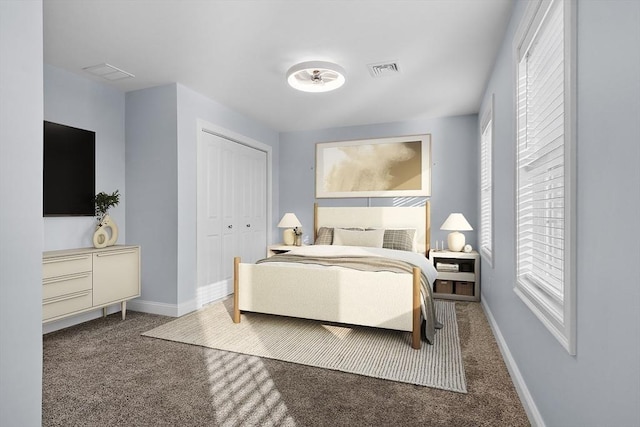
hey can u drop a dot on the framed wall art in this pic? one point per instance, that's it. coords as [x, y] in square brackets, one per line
[382, 167]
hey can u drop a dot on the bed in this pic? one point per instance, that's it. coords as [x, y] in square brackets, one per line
[330, 282]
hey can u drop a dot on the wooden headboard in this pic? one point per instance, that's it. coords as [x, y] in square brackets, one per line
[386, 217]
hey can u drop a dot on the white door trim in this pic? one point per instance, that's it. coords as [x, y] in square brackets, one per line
[203, 295]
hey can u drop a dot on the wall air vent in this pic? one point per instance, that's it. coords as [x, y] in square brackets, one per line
[383, 69]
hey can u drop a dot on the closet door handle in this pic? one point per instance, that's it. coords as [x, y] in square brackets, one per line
[230, 226]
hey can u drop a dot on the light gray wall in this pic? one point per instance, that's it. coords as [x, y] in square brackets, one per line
[191, 107]
[601, 384]
[161, 133]
[80, 102]
[454, 170]
[152, 188]
[21, 106]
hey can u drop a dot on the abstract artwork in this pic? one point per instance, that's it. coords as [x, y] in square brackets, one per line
[382, 167]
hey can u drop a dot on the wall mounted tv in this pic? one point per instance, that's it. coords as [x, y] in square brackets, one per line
[69, 179]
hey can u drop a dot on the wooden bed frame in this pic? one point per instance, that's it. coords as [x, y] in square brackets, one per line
[377, 299]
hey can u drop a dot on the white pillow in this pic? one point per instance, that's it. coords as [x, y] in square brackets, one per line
[370, 239]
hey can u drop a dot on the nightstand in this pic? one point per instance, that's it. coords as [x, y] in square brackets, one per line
[279, 248]
[458, 275]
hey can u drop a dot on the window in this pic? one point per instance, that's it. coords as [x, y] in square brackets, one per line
[545, 173]
[486, 184]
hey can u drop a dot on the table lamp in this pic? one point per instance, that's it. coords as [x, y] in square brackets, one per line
[289, 221]
[455, 223]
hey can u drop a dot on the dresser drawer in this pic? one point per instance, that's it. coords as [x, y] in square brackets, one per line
[56, 287]
[62, 266]
[66, 305]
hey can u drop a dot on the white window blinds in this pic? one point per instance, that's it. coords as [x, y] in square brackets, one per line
[543, 187]
[486, 188]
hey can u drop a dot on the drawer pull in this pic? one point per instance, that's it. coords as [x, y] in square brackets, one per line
[65, 259]
[65, 278]
[115, 253]
[66, 297]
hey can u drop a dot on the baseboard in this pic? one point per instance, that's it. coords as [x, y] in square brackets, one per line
[77, 319]
[153, 307]
[535, 418]
[205, 296]
[213, 292]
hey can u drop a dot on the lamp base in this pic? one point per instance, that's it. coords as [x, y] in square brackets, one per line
[455, 240]
[288, 237]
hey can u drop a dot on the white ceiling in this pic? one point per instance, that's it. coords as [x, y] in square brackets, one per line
[238, 52]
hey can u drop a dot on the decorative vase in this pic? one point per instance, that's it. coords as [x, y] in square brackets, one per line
[101, 238]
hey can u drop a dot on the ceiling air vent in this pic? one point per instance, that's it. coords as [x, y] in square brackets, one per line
[108, 72]
[383, 69]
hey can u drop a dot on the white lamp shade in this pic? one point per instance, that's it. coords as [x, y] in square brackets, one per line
[456, 222]
[289, 220]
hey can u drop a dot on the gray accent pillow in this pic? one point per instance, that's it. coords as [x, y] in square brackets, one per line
[325, 235]
[401, 240]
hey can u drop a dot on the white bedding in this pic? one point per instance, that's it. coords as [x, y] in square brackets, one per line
[415, 258]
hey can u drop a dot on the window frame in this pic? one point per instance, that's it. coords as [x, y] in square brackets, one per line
[487, 121]
[544, 305]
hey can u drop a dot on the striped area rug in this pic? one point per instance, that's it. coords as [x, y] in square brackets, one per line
[372, 352]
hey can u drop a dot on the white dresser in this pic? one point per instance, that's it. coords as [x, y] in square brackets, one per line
[79, 280]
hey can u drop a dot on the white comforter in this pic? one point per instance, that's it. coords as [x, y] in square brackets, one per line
[417, 259]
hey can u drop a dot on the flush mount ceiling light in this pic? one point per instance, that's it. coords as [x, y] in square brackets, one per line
[108, 72]
[316, 76]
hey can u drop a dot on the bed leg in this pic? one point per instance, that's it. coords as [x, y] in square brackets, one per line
[416, 343]
[236, 286]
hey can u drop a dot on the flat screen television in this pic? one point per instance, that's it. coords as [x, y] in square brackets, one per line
[69, 171]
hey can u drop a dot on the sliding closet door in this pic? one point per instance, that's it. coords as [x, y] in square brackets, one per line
[232, 208]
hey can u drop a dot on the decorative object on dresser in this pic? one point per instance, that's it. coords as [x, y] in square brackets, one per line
[458, 275]
[455, 223]
[291, 225]
[104, 201]
[79, 280]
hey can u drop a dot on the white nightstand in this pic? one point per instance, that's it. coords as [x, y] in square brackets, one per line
[462, 282]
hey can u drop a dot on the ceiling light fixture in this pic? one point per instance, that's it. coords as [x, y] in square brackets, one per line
[316, 76]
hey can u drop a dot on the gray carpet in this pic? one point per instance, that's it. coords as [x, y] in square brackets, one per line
[104, 373]
[378, 353]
